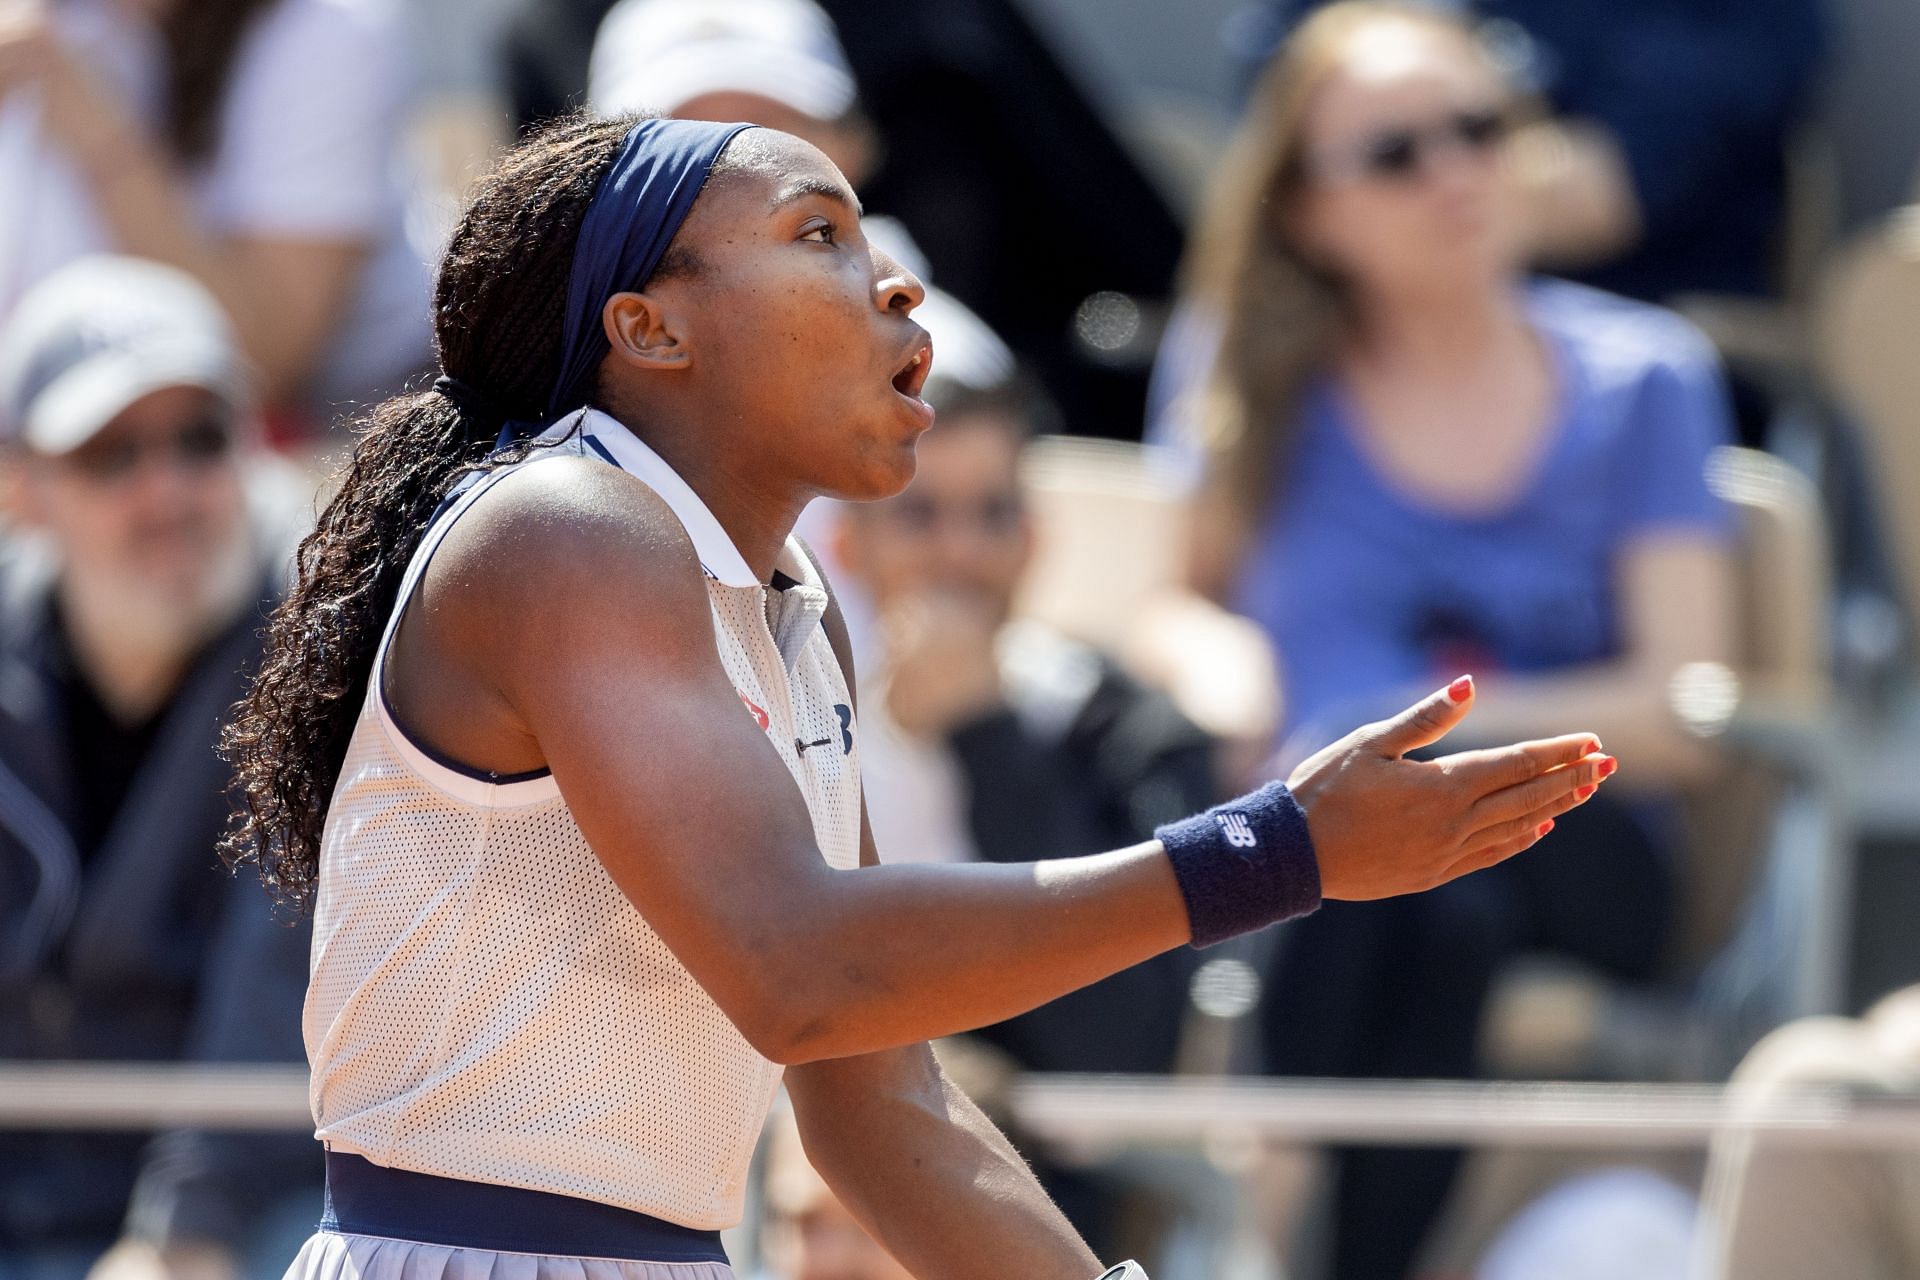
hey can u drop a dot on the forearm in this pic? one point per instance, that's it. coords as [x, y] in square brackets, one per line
[901, 954]
[929, 1176]
[145, 205]
[142, 196]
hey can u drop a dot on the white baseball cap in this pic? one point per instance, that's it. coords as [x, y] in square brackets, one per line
[658, 55]
[100, 333]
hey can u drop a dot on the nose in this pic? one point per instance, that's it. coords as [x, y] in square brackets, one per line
[895, 289]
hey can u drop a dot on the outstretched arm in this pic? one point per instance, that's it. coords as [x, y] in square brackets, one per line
[578, 607]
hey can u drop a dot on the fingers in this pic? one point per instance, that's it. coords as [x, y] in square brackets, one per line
[1528, 825]
[1503, 840]
[1570, 782]
[1425, 722]
[1497, 768]
[1481, 859]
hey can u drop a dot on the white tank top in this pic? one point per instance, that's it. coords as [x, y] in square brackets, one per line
[485, 1003]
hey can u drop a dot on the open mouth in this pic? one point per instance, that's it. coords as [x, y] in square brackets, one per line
[911, 378]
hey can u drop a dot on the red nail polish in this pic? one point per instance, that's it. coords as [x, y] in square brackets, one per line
[1544, 828]
[1593, 747]
[1584, 792]
[1607, 767]
[1460, 690]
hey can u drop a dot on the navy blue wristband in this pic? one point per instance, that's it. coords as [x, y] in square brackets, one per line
[1244, 865]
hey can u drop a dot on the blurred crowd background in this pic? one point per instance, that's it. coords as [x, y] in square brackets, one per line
[1291, 360]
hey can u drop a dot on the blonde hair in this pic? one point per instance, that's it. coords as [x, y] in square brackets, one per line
[1278, 314]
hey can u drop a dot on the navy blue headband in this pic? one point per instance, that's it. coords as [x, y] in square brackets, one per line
[636, 209]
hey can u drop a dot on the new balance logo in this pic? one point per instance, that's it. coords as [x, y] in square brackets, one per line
[1237, 830]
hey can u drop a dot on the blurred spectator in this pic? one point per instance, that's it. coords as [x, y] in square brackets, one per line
[1415, 464]
[808, 1233]
[995, 739]
[1776, 1211]
[251, 143]
[779, 64]
[1663, 169]
[1027, 205]
[132, 583]
[1599, 1225]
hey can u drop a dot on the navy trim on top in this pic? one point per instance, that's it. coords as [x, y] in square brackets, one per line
[367, 1199]
[380, 690]
[593, 443]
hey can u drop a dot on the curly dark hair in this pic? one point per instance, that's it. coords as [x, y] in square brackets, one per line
[498, 312]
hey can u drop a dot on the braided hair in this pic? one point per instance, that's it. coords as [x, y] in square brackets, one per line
[497, 314]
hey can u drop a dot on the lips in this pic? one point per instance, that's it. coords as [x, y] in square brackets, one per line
[911, 378]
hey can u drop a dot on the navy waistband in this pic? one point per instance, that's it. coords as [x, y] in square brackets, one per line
[364, 1198]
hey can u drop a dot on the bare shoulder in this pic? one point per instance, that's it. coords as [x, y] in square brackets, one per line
[564, 549]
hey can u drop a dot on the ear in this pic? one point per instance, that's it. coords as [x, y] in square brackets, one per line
[643, 333]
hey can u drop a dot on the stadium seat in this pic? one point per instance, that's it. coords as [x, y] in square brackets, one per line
[1108, 568]
[1868, 326]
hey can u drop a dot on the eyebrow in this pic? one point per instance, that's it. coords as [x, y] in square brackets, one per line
[800, 188]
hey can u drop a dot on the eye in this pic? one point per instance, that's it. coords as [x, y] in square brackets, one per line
[821, 233]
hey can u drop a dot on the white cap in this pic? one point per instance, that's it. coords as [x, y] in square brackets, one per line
[97, 335]
[659, 55]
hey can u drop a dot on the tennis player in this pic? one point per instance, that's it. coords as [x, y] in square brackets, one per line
[556, 734]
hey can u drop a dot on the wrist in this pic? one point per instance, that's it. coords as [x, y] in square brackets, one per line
[1244, 865]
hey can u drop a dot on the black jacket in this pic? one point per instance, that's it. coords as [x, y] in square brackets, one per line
[155, 952]
[1119, 762]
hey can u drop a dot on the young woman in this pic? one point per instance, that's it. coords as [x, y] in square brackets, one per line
[1417, 460]
[594, 867]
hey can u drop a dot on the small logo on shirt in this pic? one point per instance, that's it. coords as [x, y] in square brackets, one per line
[1237, 830]
[759, 716]
[845, 713]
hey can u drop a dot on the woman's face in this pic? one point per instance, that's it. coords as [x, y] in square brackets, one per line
[1401, 185]
[799, 344]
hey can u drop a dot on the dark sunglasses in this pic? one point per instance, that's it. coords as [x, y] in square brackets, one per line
[195, 446]
[1401, 153]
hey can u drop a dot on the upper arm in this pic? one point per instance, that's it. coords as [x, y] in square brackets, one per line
[600, 640]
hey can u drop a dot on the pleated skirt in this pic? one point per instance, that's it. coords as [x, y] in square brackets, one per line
[334, 1255]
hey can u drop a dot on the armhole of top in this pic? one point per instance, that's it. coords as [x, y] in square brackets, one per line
[461, 781]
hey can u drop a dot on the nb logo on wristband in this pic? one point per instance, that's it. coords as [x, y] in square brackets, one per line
[1237, 830]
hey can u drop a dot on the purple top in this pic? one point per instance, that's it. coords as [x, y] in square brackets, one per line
[1370, 594]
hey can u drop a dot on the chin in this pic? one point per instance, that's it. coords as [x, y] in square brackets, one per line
[880, 476]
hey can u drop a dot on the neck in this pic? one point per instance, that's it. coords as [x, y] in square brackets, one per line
[757, 517]
[134, 668]
[1441, 328]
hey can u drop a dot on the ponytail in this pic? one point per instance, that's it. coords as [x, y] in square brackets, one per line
[497, 304]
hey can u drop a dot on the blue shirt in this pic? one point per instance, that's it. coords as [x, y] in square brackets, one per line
[1371, 593]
